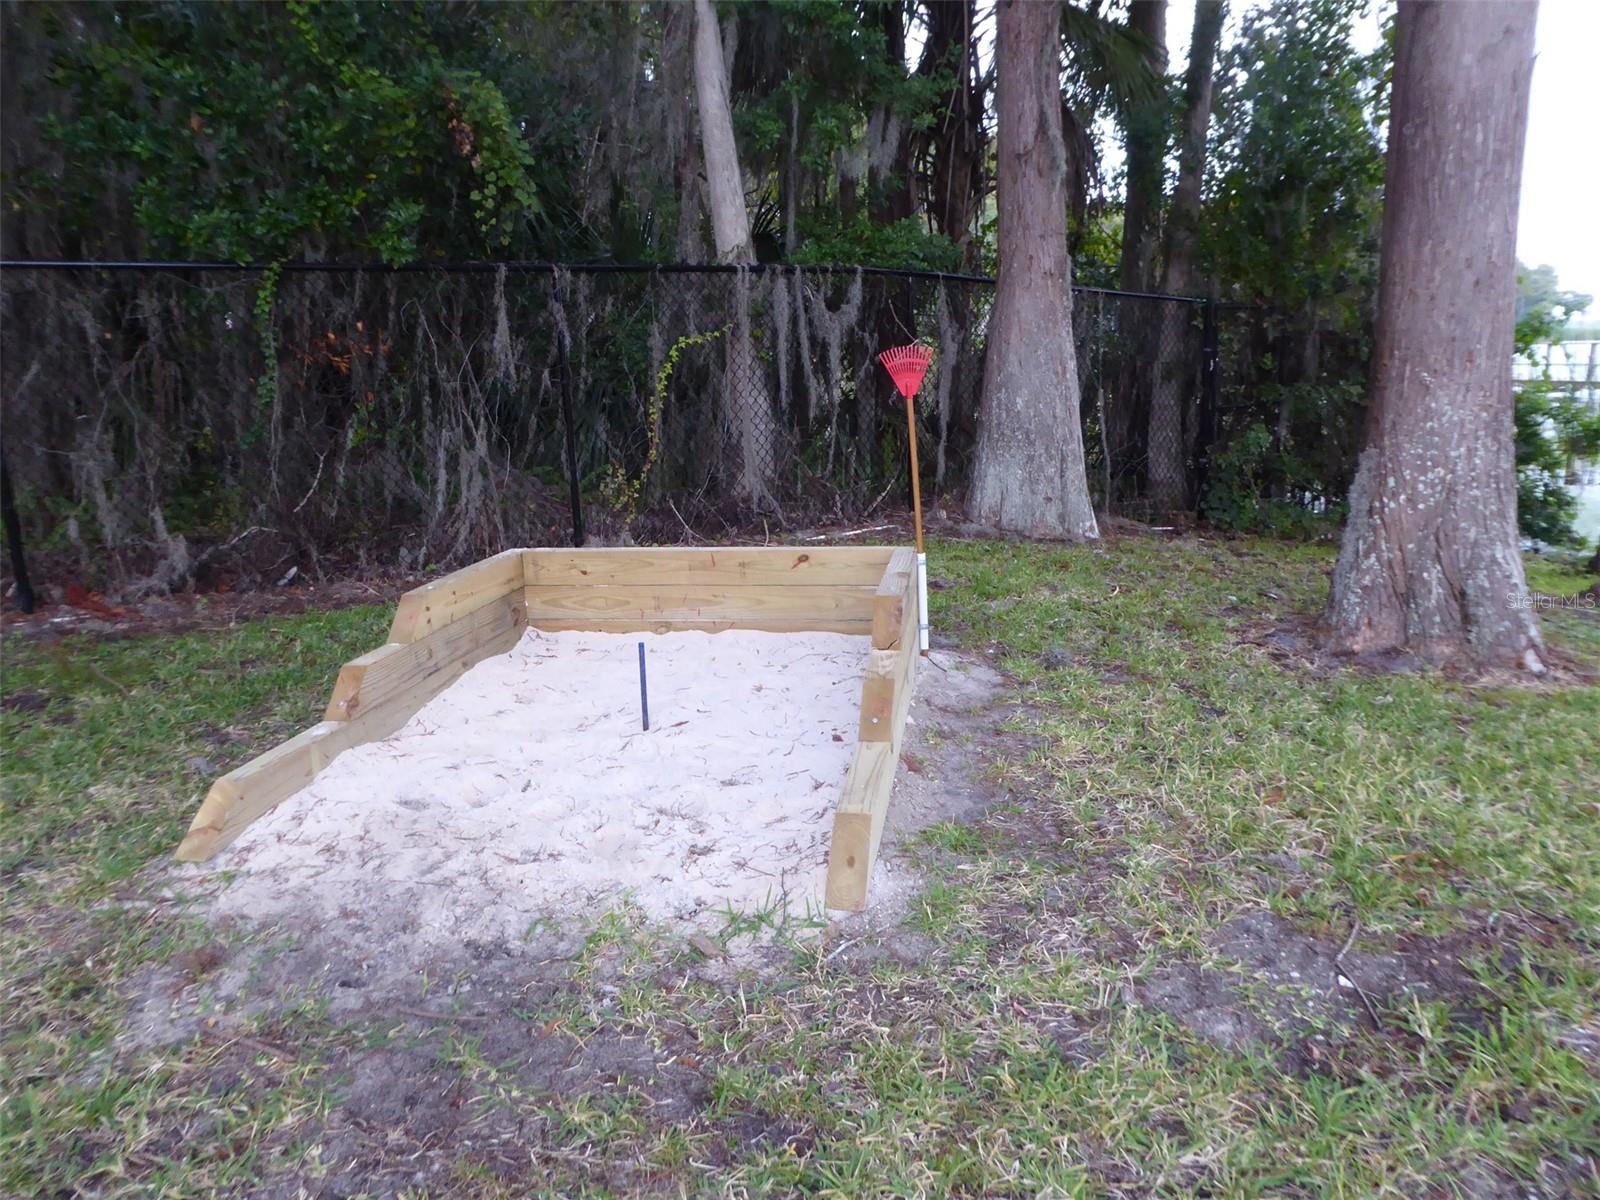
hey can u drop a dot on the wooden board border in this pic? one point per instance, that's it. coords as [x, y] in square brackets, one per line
[885, 701]
[443, 628]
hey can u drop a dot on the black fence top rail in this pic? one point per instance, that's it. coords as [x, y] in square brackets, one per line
[529, 266]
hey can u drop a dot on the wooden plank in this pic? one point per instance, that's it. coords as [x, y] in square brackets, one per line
[879, 691]
[376, 694]
[854, 846]
[740, 606]
[710, 625]
[711, 568]
[888, 605]
[433, 606]
[864, 803]
[412, 673]
[242, 795]
[889, 674]
[890, 677]
[910, 659]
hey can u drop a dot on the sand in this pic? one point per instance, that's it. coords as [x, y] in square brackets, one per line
[526, 794]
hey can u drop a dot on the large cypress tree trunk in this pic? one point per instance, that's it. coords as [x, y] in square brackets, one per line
[1430, 560]
[1173, 351]
[746, 398]
[1029, 476]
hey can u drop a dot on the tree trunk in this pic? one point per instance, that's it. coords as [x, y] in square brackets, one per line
[1430, 561]
[1029, 475]
[955, 143]
[747, 400]
[1172, 352]
[682, 130]
[1147, 121]
[891, 197]
[730, 223]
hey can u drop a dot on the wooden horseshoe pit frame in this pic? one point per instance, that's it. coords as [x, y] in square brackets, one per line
[446, 627]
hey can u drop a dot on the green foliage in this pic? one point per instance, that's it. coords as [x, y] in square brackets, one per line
[1106, 63]
[1545, 507]
[266, 298]
[412, 131]
[1544, 310]
[903, 244]
[1291, 226]
[1553, 426]
[1250, 483]
[1294, 214]
[1099, 248]
[810, 78]
[255, 132]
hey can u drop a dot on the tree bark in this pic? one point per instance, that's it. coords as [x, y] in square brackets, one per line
[1168, 477]
[1430, 561]
[1147, 122]
[1128, 411]
[955, 144]
[1029, 475]
[746, 397]
[891, 197]
[682, 130]
[730, 223]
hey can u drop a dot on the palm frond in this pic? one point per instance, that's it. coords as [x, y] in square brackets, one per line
[1108, 60]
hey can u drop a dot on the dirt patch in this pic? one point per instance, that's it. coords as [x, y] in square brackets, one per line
[73, 613]
[25, 701]
[407, 1117]
[1271, 984]
[471, 1060]
[1208, 1002]
[1293, 643]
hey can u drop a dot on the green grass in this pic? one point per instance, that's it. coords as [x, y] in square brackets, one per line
[1571, 617]
[1189, 760]
[103, 771]
[1422, 798]
[103, 766]
[1557, 576]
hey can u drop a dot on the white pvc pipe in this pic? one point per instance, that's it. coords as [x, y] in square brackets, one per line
[922, 601]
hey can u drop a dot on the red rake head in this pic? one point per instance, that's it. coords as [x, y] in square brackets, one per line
[906, 366]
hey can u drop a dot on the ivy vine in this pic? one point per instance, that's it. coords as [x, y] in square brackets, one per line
[266, 301]
[620, 491]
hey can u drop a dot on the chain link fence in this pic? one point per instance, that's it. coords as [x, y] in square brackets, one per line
[1288, 423]
[174, 425]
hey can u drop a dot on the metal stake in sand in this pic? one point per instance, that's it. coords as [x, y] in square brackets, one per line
[906, 366]
[644, 695]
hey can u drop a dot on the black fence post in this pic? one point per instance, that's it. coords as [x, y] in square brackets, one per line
[1206, 434]
[13, 528]
[563, 367]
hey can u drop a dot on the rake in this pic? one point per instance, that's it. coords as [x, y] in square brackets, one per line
[906, 366]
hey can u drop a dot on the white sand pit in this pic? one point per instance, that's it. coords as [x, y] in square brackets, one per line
[527, 792]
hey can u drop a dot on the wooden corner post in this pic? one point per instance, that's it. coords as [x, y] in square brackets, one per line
[885, 699]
